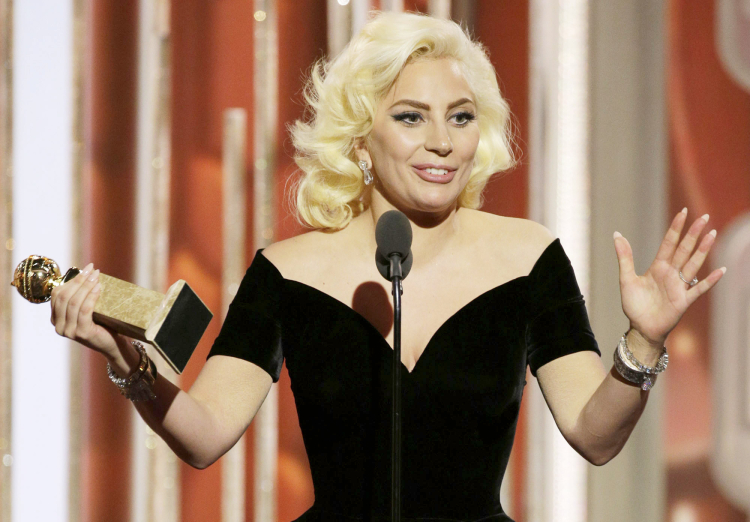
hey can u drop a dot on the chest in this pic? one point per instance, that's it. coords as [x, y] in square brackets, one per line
[339, 357]
[430, 301]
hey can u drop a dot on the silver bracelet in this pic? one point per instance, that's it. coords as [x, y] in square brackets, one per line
[633, 370]
[138, 386]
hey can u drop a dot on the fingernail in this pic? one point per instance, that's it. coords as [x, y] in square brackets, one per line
[705, 217]
[87, 269]
[712, 233]
[684, 211]
[94, 275]
[723, 269]
[617, 234]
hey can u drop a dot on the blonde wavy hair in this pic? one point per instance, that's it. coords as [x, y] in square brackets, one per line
[343, 96]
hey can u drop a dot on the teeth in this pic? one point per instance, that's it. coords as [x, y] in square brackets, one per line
[439, 172]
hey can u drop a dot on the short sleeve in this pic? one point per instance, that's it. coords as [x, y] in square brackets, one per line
[557, 323]
[251, 330]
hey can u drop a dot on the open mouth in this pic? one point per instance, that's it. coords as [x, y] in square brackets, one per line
[435, 174]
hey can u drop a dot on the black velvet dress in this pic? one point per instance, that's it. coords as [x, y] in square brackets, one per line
[460, 402]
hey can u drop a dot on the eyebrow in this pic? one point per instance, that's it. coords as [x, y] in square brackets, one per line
[424, 106]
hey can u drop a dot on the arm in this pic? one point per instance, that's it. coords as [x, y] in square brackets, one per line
[597, 410]
[199, 425]
[204, 423]
[594, 409]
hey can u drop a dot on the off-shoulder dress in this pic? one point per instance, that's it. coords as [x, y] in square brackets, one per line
[460, 402]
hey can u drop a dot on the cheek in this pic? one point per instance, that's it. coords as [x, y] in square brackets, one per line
[395, 146]
[466, 145]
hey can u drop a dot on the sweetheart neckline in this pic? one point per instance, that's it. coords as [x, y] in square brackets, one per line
[380, 336]
[450, 318]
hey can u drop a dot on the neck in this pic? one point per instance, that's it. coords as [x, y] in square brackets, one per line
[432, 233]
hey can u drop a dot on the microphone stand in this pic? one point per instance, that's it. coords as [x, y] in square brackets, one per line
[396, 276]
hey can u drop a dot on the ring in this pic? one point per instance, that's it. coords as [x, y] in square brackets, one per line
[691, 283]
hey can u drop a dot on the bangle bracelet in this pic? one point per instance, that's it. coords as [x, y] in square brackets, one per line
[661, 364]
[633, 370]
[138, 386]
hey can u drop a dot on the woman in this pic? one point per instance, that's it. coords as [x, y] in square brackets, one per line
[410, 117]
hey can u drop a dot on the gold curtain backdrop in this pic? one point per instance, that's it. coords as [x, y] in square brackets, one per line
[212, 56]
[709, 154]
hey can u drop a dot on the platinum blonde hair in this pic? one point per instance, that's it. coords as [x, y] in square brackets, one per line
[343, 96]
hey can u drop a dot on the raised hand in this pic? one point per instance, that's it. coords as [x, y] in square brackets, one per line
[655, 301]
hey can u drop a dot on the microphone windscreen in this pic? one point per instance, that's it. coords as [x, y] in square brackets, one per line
[393, 234]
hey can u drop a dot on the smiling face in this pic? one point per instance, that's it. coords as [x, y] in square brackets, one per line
[424, 137]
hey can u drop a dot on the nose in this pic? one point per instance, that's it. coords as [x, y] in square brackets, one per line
[438, 140]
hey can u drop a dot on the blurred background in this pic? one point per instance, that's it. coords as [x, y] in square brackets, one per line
[150, 137]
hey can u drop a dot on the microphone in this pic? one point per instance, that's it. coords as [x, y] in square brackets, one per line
[393, 237]
[393, 259]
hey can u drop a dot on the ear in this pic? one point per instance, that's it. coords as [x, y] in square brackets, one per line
[360, 150]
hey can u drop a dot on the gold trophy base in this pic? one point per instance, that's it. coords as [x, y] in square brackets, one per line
[173, 322]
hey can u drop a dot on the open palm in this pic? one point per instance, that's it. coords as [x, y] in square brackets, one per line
[655, 301]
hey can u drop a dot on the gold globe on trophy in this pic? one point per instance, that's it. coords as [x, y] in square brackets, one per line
[173, 322]
[36, 276]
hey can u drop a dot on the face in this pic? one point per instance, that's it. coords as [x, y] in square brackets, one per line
[425, 134]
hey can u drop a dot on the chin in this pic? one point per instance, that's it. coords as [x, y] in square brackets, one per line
[438, 200]
[435, 205]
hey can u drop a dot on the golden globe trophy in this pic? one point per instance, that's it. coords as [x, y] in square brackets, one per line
[173, 322]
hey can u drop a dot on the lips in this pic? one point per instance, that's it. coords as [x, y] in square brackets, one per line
[435, 173]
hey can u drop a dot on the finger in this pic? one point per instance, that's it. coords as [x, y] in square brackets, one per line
[672, 237]
[705, 285]
[62, 294]
[75, 302]
[696, 261]
[85, 314]
[624, 258]
[687, 245]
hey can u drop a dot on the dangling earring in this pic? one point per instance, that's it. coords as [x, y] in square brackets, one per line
[366, 171]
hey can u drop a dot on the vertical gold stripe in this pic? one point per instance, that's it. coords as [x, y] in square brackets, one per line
[234, 174]
[156, 484]
[6, 250]
[439, 8]
[360, 14]
[265, 81]
[339, 26]
[80, 20]
[163, 466]
[392, 5]
[559, 198]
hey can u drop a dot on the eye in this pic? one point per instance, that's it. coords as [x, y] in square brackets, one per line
[463, 118]
[408, 118]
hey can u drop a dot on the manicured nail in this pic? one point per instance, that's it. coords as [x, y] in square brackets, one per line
[87, 269]
[723, 269]
[712, 233]
[94, 275]
[684, 211]
[617, 234]
[705, 217]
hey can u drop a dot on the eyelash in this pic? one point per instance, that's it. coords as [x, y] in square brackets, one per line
[403, 117]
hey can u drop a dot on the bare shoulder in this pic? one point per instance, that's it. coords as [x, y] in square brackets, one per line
[310, 256]
[512, 241]
[298, 253]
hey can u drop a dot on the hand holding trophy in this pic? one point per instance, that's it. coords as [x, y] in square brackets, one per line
[173, 322]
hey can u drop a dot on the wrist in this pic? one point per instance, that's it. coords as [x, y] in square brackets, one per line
[139, 385]
[644, 349]
[637, 368]
[125, 360]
